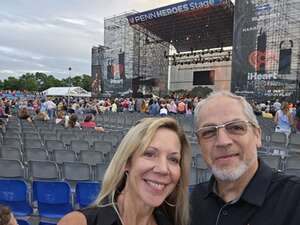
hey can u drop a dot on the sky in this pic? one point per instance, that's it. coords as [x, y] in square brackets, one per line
[52, 35]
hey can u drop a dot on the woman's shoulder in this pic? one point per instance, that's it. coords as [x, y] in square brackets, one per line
[73, 218]
[90, 216]
[104, 215]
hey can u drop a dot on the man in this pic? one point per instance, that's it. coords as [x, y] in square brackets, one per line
[276, 105]
[242, 190]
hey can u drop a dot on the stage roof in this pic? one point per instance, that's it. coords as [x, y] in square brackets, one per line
[192, 24]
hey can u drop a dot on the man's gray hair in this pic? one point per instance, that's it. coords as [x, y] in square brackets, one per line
[246, 106]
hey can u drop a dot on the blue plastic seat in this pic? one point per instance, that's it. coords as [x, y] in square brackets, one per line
[87, 192]
[46, 223]
[14, 193]
[53, 198]
[23, 222]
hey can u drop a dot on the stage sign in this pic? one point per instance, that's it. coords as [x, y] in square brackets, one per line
[172, 9]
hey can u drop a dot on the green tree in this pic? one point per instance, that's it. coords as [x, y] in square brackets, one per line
[86, 82]
[76, 81]
[51, 81]
[11, 83]
[28, 82]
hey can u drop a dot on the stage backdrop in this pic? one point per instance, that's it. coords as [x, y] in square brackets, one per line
[265, 63]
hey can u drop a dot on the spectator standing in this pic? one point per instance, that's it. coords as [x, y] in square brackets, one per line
[276, 105]
[181, 107]
[283, 119]
[51, 107]
[172, 107]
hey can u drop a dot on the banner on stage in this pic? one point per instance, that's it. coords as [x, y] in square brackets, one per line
[171, 10]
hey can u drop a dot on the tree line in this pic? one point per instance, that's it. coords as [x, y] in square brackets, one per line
[40, 81]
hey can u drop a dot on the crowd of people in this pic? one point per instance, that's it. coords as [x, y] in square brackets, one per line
[286, 115]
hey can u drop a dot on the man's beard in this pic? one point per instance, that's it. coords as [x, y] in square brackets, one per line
[231, 174]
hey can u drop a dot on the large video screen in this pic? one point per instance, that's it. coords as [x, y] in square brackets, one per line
[203, 78]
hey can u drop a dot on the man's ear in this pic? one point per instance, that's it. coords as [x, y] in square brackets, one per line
[257, 133]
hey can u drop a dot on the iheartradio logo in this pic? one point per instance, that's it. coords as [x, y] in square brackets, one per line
[258, 58]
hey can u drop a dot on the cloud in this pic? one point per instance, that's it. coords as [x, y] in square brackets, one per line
[52, 35]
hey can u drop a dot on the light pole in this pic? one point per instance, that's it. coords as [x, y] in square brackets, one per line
[70, 83]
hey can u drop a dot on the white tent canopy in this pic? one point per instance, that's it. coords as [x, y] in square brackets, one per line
[67, 91]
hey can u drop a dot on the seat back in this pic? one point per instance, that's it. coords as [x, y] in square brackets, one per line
[23, 222]
[10, 168]
[103, 146]
[91, 157]
[32, 143]
[274, 161]
[12, 142]
[54, 144]
[292, 162]
[11, 153]
[100, 169]
[294, 143]
[32, 154]
[14, 193]
[87, 192]
[61, 156]
[53, 198]
[75, 171]
[77, 146]
[278, 140]
[43, 170]
[67, 138]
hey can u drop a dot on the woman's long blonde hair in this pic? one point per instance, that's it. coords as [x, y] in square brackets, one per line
[137, 140]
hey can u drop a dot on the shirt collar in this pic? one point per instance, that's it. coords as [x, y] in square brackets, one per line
[260, 181]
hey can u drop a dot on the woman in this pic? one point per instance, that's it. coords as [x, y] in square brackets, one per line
[146, 182]
[283, 119]
[72, 122]
[6, 216]
[24, 114]
[90, 123]
[60, 119]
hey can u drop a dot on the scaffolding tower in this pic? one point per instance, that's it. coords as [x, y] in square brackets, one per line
[133, 61]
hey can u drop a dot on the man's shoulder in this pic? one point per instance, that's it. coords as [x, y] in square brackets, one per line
[199, 192]
[286, 184]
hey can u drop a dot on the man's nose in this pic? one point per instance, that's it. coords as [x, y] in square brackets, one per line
[223, 138]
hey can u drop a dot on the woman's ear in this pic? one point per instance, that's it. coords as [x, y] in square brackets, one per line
[127, 167]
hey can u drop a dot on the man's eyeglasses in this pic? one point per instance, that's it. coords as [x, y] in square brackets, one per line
[234, 127]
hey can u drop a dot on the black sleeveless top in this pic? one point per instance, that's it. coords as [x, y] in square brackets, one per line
[108, 216]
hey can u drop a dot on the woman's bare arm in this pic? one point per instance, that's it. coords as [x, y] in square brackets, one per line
[73, 218]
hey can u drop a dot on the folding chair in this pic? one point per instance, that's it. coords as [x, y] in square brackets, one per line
[100, 169]
[87, 192]
[10, 168]
[91, 157]
[53, 198]
[23, 222]
[14, 193]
